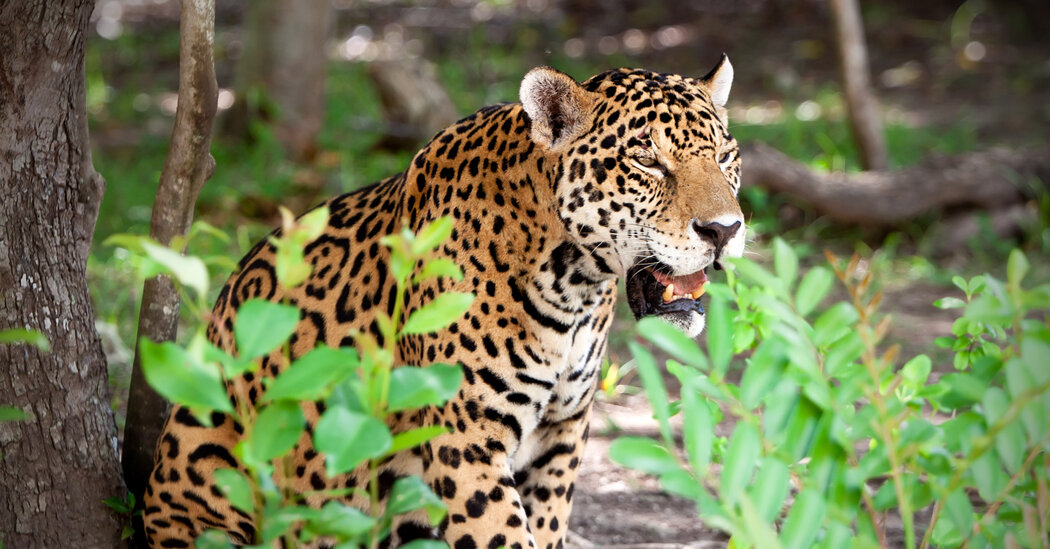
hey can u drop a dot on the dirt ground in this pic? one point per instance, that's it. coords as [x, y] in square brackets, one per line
[613, 506]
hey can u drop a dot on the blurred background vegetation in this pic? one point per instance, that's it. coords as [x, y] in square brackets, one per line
[951, 76]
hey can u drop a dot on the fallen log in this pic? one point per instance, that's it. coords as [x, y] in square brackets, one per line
[986, 180]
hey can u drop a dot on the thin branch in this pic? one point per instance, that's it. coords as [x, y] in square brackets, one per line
[864, 119]
[187, 166]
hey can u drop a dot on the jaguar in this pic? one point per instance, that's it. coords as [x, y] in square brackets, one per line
[630, 175]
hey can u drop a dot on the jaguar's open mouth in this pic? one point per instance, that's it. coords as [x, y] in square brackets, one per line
[651, 291]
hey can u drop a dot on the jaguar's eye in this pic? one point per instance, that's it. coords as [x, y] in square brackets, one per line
[645, 160]
[725, 158]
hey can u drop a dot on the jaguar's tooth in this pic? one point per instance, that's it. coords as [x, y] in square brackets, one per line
[668, 293]
[699, 291]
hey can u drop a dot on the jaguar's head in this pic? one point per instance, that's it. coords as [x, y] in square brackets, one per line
[647, 178]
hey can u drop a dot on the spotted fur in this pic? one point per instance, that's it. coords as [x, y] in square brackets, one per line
[553, 201]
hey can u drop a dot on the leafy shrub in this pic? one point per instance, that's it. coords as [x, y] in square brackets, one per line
[829, 435]
[360, 387]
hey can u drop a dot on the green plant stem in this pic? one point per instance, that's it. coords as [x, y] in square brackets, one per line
[981, 445]
[989, 514]
[373, 494]
[885, 426]
[379, 410]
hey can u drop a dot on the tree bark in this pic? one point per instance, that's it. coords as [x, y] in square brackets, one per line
[987, 180]
[59, 464]
[283, 61]
[864, 120]
[187, 166]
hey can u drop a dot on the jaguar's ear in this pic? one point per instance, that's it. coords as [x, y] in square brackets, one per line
[719, 80]
[558, 107]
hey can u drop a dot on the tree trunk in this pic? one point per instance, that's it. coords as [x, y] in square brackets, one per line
[415, 104]
[282, 71]
[188, 165]
[59, 464]
[864, 120]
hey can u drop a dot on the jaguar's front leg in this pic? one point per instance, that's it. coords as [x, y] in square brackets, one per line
[546, 483]
[470, 469]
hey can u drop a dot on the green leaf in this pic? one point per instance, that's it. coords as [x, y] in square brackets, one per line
[962, 389]
[290, 267]
[232, 366]
[949, 303]
[672, 341]
[440, 267]
[770, 488]
[681, 484]
[432, 235]
[29, 337]
[813, 289]
[801, 429]
[833, 323]
[10, 413]
[843, 352]
[988, 475]
[758, 528]
[262, 326]
[339, 520]
[785, 261]
[959, 512]
[277, 429]
[1035, 355]
[915, 372]
[698, 430]
[311, 224]
[762, 373]
[213, 539]
[1010, 441]
[778, 410]
[719, 332]
[349, 438]
[803, 520]
[654, 388]
[400, 261]
[412, 387]
[313, 375]
[738, 465]
[120, 504]
[188, 270]
[758, 276]
[643, 454]
[411, 493]
[236, 488]
[438, 314]
[1019, 380]
[415, 437]
[181, 378]
[1016, 268]
[278, 520]
[425, 544]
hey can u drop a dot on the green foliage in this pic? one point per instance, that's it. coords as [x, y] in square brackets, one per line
[27, 336]
[125, 507]
[861, 434]
[360, 388]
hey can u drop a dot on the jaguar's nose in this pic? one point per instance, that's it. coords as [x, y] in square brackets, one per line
[716, 233]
